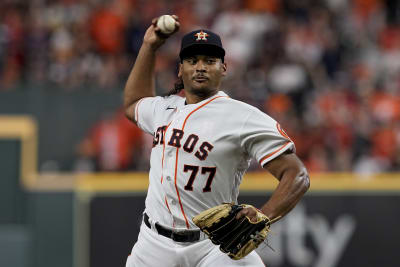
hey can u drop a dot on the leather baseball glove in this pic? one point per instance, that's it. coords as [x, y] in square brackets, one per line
[236, 237]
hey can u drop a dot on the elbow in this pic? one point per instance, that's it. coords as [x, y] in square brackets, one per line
[304, 180]
[127, 103]
[129, 113]
[298, 178]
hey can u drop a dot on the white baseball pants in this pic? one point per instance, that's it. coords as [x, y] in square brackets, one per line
[154, 250]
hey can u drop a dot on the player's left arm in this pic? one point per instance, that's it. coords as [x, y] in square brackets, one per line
[293, 183]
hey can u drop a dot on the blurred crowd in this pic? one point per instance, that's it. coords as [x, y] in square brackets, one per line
[327, 70]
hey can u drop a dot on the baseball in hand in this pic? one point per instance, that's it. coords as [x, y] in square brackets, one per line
[166, 24]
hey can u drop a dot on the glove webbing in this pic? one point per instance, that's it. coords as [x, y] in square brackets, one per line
[242, 237]
[230, 232]
[224, 222]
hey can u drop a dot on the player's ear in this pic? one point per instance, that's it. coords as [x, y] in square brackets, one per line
[224, 68]
[180, 70]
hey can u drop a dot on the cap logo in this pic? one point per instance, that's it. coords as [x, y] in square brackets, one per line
[201, 36]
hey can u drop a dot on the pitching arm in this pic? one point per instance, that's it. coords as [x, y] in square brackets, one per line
[141, 81]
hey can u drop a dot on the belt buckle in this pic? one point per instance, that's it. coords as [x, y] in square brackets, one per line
[180, 236]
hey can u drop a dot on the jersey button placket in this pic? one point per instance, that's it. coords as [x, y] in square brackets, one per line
[169, 166]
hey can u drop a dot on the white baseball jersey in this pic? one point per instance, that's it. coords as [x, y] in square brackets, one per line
[201, 151]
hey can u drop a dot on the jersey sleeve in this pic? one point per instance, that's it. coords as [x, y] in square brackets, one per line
[263, 138]
[145, 113]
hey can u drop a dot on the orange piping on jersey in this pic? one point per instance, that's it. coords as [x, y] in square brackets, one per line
[176, 161]
[272, 153]
[278, 126]
[137, 110]
[183, 127]
[166, 202]
[163, 150]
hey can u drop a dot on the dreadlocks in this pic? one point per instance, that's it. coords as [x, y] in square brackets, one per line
[178, 86]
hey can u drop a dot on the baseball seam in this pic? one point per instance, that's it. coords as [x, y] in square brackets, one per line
[165, 25]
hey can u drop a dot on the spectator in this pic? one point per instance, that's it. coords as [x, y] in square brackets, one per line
[113, 144]
[331, 68]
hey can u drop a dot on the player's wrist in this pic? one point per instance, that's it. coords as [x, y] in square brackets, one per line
[152, 46]
[267, 213]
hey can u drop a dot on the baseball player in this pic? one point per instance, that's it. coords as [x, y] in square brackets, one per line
[203, 143]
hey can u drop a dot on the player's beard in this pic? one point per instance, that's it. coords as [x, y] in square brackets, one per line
[202, 90]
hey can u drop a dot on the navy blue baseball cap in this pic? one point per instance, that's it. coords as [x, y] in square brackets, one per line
[201, 42]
